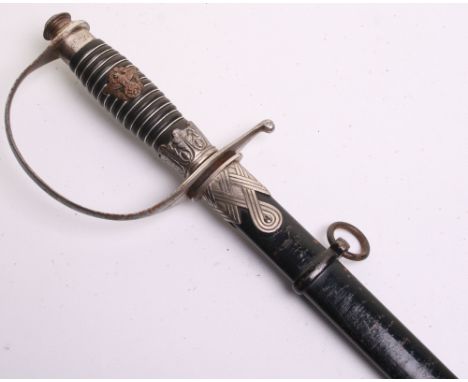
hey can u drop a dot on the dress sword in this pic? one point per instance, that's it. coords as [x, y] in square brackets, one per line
[217, 178]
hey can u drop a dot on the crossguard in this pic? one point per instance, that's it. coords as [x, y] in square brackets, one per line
[196, 183]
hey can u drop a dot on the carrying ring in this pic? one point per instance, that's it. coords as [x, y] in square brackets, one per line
[342, 245]
[191, 187]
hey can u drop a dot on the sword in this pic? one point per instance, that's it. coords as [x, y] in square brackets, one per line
[216, 178]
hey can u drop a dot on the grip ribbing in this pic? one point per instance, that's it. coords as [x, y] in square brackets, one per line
[149, 116]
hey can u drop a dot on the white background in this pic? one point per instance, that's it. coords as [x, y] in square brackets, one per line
[371, 108]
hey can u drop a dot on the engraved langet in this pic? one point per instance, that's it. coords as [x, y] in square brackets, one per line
[231, 189]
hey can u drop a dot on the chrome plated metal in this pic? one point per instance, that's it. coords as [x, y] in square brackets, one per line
[235, 187]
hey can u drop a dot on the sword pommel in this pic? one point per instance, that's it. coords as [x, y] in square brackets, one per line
[55, 24]
[66, 35]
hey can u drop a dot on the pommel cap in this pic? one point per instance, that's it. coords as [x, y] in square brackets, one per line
[66, 35]
[55, 24]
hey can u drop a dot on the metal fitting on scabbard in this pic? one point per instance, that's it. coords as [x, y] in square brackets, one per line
[338, 247]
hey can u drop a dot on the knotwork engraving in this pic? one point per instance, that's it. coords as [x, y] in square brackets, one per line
[235, 187]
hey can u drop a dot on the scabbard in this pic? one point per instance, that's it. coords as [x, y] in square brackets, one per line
[233, 193]
[349, 305]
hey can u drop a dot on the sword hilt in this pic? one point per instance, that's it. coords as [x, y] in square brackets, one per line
[143, 109]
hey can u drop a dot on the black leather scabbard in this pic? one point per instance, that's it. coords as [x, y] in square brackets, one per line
[355, 311]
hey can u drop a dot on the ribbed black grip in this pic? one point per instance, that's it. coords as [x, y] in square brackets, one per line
[150, 115]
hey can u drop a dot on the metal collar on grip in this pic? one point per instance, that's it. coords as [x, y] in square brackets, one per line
[192, 187]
